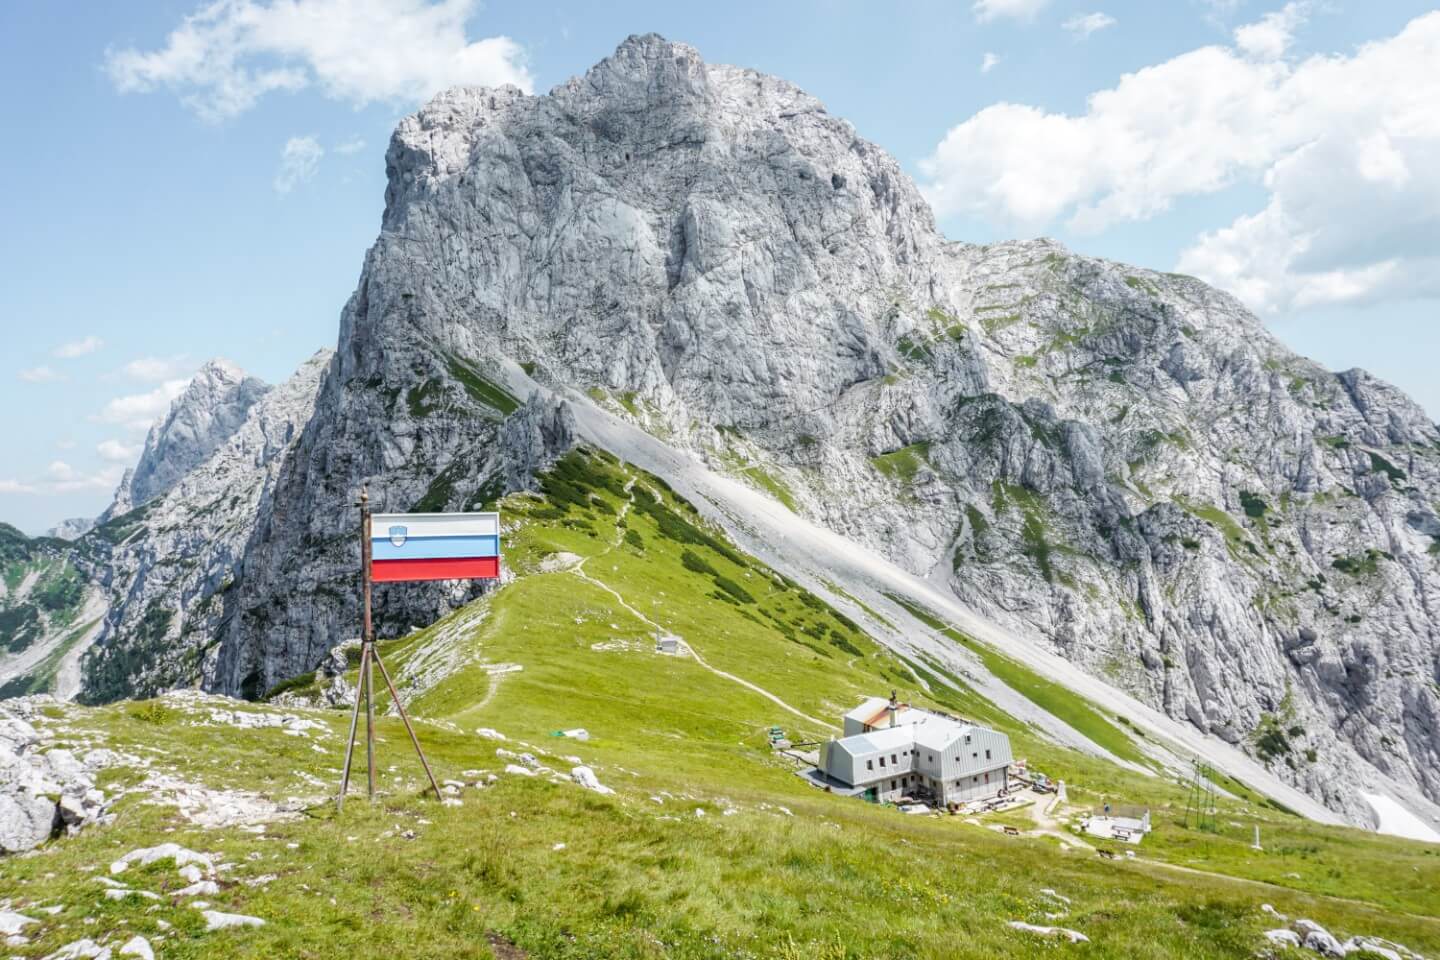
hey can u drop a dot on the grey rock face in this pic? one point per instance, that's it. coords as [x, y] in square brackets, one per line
[72, 529]
[452, 440]
[43, 788]
[1123, 462]
[212, 408]
[168, 562]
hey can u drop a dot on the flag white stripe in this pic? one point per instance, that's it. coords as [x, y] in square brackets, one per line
[436, 524]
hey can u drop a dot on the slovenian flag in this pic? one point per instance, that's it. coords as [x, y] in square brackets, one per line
[434, 546]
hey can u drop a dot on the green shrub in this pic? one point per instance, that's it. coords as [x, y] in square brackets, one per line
[1379, 464]
[294, 683]
[734, 589]
[1254, 506]
[153, 711]
[696, 564]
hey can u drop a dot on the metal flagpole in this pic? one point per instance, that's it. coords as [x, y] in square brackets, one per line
[360, 692]
[367, 642]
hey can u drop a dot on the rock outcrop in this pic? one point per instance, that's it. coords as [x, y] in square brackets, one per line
[72, 529]
[45, 789]
[213, 407]
[168, 562]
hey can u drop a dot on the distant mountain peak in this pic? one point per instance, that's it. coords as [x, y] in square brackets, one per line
[210, 409]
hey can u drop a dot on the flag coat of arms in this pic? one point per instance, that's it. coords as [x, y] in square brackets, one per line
[434, 546]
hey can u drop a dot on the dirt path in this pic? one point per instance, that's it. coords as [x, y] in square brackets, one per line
[579, 571]
[1042, 811]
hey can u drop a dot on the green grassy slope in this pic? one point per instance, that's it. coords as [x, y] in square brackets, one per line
[605, 556]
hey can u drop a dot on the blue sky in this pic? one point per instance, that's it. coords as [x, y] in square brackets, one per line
[154, 219]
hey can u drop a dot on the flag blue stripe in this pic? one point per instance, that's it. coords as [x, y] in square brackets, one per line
[434, 548]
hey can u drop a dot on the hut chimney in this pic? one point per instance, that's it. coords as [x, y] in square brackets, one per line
[891, 709]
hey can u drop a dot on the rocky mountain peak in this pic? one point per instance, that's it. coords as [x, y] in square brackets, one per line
[208, 412]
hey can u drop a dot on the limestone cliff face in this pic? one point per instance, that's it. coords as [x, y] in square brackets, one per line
[1123, 462]
[1120, 462]
[166, 561]
[212, 407]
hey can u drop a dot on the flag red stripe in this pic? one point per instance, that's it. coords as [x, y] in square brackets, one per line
[468, 568]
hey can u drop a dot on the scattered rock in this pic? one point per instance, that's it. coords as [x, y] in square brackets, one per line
[1317, 938]
[215, 809]
[587, 779]
[205, 888]
[1074, 936]
[1283, 937]
[12, 922]
[1371, 948]
[489, 734]
[215, 920]
[42, 791]
[124, 893]
[522, 771]
[77, 949]
[137, 947]
[165, 851]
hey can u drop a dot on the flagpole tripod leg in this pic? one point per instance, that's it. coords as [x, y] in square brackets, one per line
[350, 742]
[395, 698]
[370, 722]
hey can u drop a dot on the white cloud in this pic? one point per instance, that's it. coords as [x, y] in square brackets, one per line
[40, 374]
[137, 411]
[117, 451]
[349, 147]
[227, 55]
[989, 62]
[1347, 148]
[61, 477]
[60, 470]
[1084, 24]
[155, 369]
[987, 10]
[299, 160]
[78, 348]
[106, 478]
[1269, 37]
